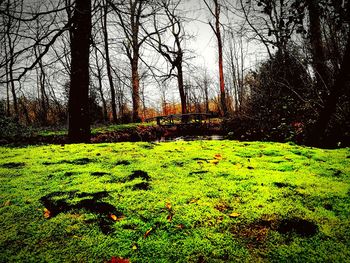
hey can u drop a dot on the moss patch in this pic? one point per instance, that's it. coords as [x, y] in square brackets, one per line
[200, 201]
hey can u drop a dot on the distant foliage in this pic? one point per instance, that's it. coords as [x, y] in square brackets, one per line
[281, 102]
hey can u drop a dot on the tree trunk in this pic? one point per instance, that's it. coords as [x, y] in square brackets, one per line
[180, 83]
[317, 50]
[135, 88]
[100, 89]
[337, 89]
[108, 64]
[78, 106]
[221, 65]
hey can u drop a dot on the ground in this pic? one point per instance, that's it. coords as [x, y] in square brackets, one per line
[200, 201]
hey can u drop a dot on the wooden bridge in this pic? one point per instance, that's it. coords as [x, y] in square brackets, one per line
[182, 119]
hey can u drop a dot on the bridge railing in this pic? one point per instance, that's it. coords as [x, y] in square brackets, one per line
[182, 119]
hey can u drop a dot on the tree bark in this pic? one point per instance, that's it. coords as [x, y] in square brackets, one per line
[180, 83]
[78, 105]
[135, 79]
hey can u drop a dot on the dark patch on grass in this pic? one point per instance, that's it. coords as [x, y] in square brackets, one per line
[147, 146]
[139, 174]
[200, 159]
[81, 161]
[179, 163]
[13, 165]
[123, 162]
[48, 163]
[250, 168]
[328, 207]
[68, 174]
[301, 227]
[336, 172]
[98, 174]
[255, 234]
[198, 172]
[58, 202]
[142, 186]
[283, 185]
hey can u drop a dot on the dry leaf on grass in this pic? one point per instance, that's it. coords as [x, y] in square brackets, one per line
[234, 214]
[47, 213]
[148, 232]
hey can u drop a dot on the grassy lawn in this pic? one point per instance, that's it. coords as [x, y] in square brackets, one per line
[97, 129]
[202, 201]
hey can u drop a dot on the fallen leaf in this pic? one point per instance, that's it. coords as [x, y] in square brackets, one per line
[115, 218]
[170, 217]
[168, 206]
[234, 214]
[193, 201]
[218, 157]
[118, 260]
[47, 213]
[180, 226]
[214, 162]
[148, 232]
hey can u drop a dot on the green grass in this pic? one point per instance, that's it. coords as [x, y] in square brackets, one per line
[96, 129]
[202, 201]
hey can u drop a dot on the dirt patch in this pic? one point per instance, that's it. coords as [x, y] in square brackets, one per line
[81, 161]
[12, 165]
[283, 185]
[142, 186]
[99, 174]
[139, 174]
[198, 172]
[59, 202]
[256, 233]
[301, 227]
[123, 162]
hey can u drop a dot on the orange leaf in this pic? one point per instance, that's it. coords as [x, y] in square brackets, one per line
[168, 206]
[181, 226]
[218, 157]
[148, 232]
[115, 218]
[47, 213]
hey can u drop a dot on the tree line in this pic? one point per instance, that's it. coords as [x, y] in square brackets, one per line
[64, 59]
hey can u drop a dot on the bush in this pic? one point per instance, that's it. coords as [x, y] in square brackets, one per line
[11, 129]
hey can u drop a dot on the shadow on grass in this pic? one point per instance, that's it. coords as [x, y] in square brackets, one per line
[59, 202]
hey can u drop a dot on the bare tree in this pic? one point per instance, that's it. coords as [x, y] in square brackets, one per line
[108, 61]
[133, 17]
[173, 53]
[215, 11]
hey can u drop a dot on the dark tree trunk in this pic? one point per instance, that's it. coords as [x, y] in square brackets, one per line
[78, 108]
[135, 79]
[180, 83]
[342, 80]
